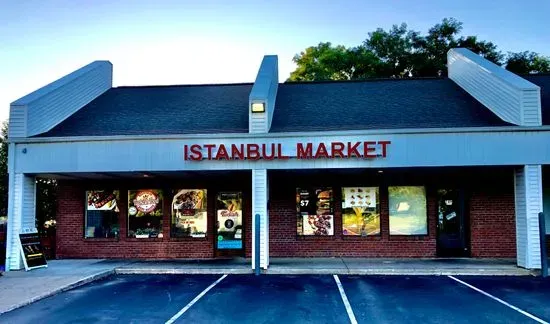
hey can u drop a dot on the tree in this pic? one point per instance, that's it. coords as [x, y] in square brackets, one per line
[400, 52]
[527, 62]
[327, 62]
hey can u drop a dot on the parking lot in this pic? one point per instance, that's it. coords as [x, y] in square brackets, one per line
[295, 299]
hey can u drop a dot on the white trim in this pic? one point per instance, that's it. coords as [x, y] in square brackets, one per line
[397, 131]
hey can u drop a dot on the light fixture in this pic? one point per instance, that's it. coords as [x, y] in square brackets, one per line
[257, 107]
[380, 171]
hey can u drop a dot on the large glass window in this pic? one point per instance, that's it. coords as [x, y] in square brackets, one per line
[315, 211]
[189, 213]
[101, 219]
[145, 213]
[360, 211]
[408, 214]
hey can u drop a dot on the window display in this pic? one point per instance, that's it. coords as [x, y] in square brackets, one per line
[315, 211]
[407, 207]
[360, 211]
[102, 212]
[229, 215]
[189, 213]
[145, 213]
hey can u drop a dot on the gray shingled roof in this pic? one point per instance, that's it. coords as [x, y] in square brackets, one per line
[378, 104]
[313, 106]
[161, 110]
[543, 81]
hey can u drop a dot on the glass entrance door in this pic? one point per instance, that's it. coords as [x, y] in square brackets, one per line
[451, 240]
[229, 224]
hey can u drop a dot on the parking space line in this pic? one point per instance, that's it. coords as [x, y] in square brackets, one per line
[191, 303]
[531, 316]
[345, 300]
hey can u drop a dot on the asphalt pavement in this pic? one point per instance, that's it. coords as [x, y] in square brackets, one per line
[295, 299]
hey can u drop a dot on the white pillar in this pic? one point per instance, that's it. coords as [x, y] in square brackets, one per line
[528, 201]
[21, 214]
[260, 192]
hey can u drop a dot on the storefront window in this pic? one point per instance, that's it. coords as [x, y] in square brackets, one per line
[144, 213]
[408, 214]
[102, 212]
[360, 211]
[315, 211]
[189, 213]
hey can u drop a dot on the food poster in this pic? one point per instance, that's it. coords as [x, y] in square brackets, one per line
[103, 200]
[408, 212]
[360, 211]
[229, 220]
[315, 212]
[189, 213]
[145, 213]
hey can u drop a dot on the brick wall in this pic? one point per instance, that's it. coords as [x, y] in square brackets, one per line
[492, 214]
[492, 220]
[70, 221]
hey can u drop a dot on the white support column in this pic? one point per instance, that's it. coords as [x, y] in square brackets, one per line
[528, 200]
[21, 214]
[259, 206]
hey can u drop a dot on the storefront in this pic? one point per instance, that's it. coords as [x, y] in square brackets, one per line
[384, 168]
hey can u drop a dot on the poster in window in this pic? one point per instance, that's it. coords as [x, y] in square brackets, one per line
[360, 211]
[189, 217]
[145, 213]
[408, 213]
[315, 211]
[229, 215]
[102, 211]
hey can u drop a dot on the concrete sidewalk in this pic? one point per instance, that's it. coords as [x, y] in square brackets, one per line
[20, 288]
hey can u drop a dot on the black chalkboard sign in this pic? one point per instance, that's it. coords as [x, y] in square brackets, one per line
[31, 251]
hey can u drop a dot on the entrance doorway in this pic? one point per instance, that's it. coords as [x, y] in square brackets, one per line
[229, 238]
[451, 227]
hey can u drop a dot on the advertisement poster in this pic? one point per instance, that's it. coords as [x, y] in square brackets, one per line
[145, 213]
[189, 213]
[103, 200]
[360, 211]
[229, 217]
[315, 211]
[408, 214]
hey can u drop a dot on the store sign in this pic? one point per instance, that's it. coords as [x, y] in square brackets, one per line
[272, 151]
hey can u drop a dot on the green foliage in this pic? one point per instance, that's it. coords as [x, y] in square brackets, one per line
[400, 52]
[46, 201]
[527, 62]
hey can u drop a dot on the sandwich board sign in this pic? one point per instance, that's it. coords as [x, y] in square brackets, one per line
[31, 249]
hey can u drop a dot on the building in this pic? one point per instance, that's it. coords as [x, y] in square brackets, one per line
[453, 166]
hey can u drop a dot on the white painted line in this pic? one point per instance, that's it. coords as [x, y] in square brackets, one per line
[196, 299]
[531, 316]
[345, 300]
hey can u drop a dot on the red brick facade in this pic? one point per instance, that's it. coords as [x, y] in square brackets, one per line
[70, 221]
[490, 215]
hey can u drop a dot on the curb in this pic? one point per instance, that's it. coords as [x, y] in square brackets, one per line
[56, 291]
[127, 271]
[389, 272]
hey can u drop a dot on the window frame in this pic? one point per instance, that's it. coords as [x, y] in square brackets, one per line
[427, 233]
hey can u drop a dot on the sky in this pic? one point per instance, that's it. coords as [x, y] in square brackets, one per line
[159, 42]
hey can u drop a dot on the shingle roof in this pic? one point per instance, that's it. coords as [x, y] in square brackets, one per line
[378, 104]
[159, 110]
[311, 106]
[543, 81]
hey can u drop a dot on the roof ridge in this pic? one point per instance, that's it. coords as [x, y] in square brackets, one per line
[183, 85]
[366, 80]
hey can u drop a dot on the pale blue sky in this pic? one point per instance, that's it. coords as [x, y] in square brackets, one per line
[206, 41]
